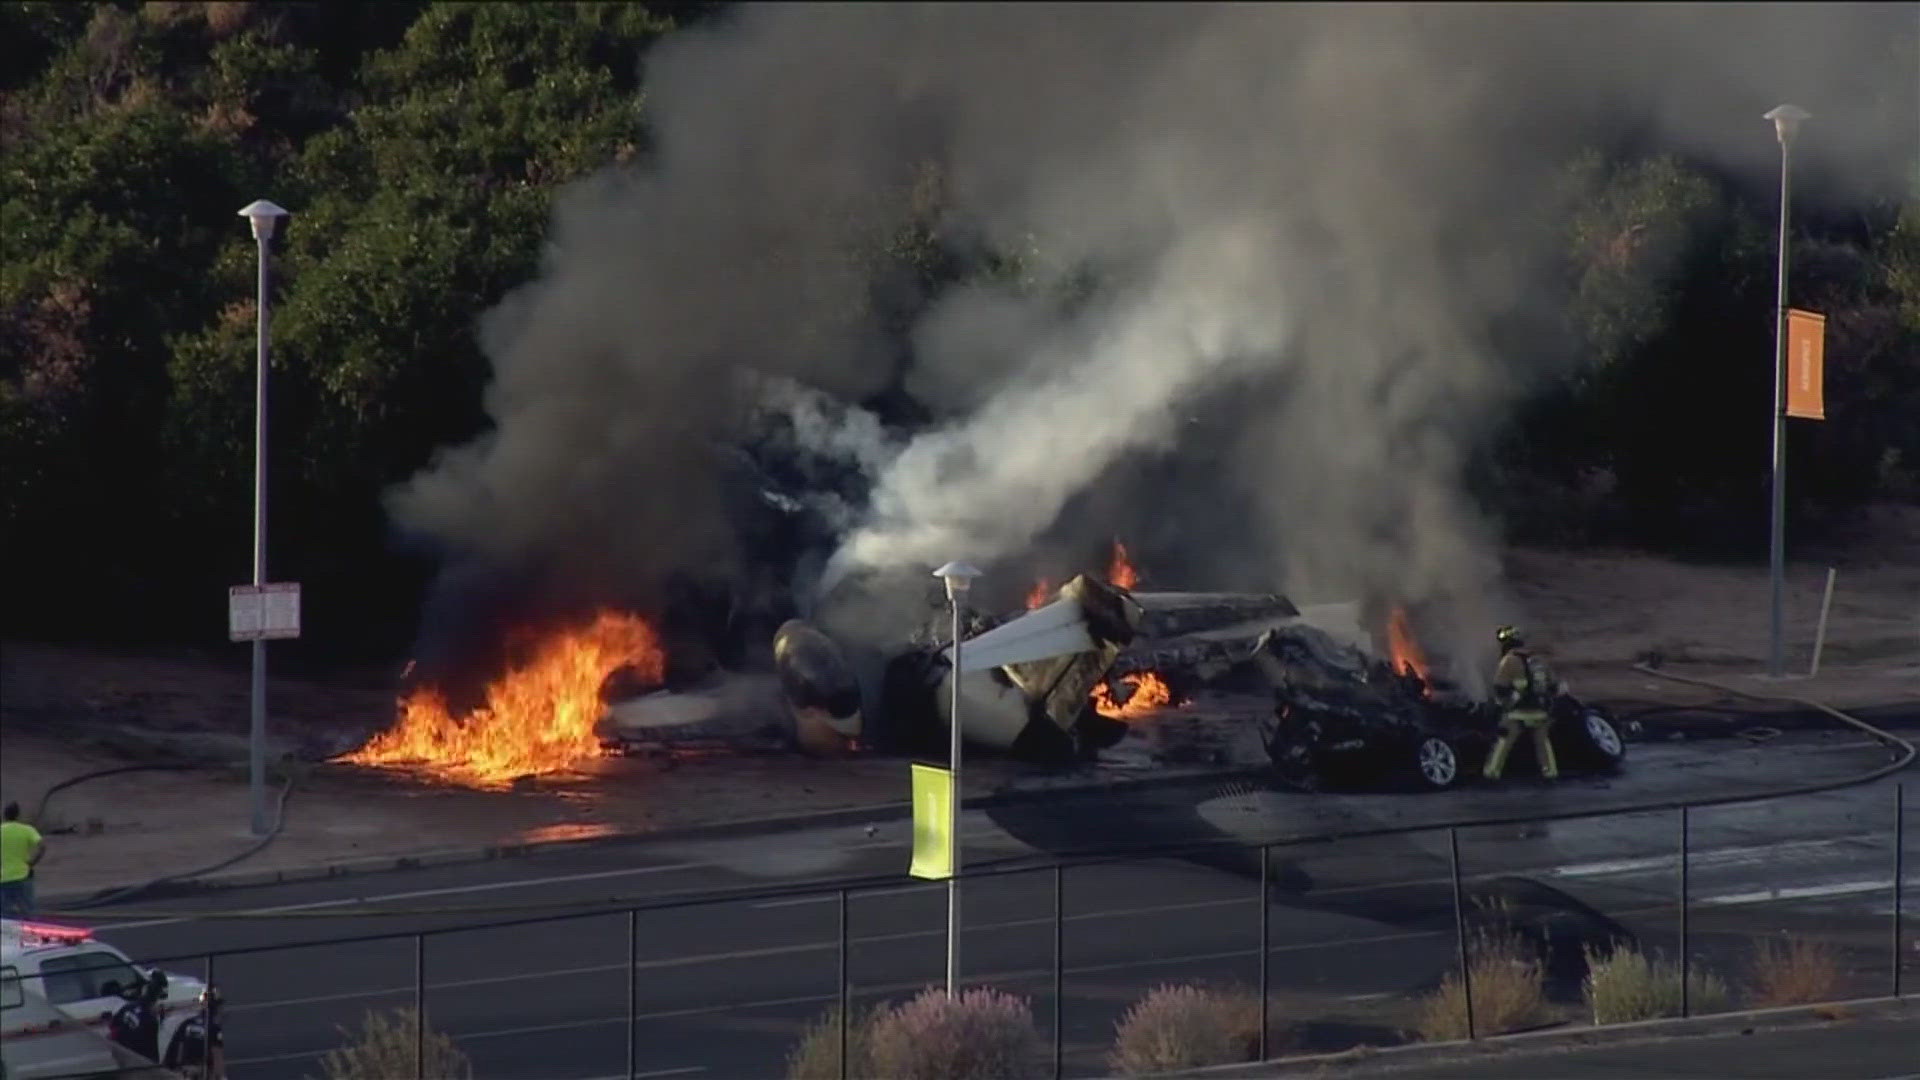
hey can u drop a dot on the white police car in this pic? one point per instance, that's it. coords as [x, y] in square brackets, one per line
[83, 978]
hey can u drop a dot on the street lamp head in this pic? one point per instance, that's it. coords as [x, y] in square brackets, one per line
[1786, 121]
[264, 216]
[958, 576]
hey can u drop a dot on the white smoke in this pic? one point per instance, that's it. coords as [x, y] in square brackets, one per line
[987, 485]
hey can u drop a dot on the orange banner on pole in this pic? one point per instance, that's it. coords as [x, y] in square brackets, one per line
[1806, 360]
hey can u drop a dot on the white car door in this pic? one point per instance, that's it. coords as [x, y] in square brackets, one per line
[87, 983]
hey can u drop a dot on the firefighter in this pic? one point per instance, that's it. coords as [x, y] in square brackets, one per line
[1523, 688]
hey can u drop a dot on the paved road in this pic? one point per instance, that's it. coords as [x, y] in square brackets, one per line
[1356, 927]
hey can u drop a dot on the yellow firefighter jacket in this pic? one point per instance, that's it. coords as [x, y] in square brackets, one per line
[1522, 685]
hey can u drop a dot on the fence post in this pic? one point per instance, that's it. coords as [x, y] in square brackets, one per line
[1686, 958]
[846, 998]
[1460, 927]
[420, 1006]
[1266, 947]
[633, 990]
[1899, 870]
[206, 1018]
[1059, 964]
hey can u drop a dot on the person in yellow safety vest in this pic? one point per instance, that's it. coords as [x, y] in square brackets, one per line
[1523, 688]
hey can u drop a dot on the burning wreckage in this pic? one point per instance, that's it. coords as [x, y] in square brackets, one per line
[1055, 684]
[1060, 682]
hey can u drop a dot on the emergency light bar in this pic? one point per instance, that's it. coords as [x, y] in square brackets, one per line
[44, 933]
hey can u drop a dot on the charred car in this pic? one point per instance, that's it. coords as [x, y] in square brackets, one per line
[1343, 718]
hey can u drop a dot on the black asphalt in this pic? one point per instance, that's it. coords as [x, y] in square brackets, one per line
[1356, 927]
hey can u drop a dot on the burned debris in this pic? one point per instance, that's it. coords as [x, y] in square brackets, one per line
[1069, 677]
[1344, 716]
[1073, 673]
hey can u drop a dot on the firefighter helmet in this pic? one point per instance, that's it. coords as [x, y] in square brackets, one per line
[1509, 637]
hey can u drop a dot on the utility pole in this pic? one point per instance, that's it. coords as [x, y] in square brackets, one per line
[958, 576]
[263, 215]
[1786, 123]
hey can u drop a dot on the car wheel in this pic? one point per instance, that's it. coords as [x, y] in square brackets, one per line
[1435, 762]
[1597, 741]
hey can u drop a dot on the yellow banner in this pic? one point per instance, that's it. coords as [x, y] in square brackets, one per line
[932, 798]
[1806, 364]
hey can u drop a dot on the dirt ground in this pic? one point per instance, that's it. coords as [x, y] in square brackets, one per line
[1597, 613]
[65, 711]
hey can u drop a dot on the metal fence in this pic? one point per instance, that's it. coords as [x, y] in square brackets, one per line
[1375, 938]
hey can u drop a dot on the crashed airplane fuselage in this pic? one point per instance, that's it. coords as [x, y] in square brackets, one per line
[1026, 687]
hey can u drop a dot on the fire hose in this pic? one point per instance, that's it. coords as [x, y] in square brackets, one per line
[1905, 749]
[116, 895]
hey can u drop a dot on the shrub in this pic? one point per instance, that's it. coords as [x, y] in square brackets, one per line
[1509, 991]
[384, 1048]
[1799, 971]
[1186, 1027]
[978, 1035]
[817, 1055]
[1628, 985]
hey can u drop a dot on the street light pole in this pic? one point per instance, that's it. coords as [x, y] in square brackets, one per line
[1786, 123]
[958, 576]
[263, 216]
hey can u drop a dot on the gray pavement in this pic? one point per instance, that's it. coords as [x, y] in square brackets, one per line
[1356, 928]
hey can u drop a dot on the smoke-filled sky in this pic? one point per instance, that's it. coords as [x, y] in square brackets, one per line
[1301, 222]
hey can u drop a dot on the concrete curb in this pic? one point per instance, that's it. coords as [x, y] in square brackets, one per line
[1387, 1061]
[869, 814]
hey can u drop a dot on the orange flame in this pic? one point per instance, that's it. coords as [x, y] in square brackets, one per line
[1150, 692]
[538, 717]
[1408, 659]
[1041, 592]
[1120, 571]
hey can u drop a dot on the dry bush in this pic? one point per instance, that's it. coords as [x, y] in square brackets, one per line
[1627, 985]
[1509, 991]
[817, 1055]
[384, 1048]
[978, 1035]
[1186, 1027]
[1799, 971]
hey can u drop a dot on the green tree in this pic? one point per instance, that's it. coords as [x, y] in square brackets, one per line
[411, 217]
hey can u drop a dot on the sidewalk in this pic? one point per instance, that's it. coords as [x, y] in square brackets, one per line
[1868, 1042]
[136, 827]
[1839, 686]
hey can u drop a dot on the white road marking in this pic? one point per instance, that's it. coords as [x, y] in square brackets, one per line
[1798, 892]
[719, 957]
[1695, 860]
[415, 894]
[1724, 855]
[783, 950]
[453, 890]
[801, 901]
